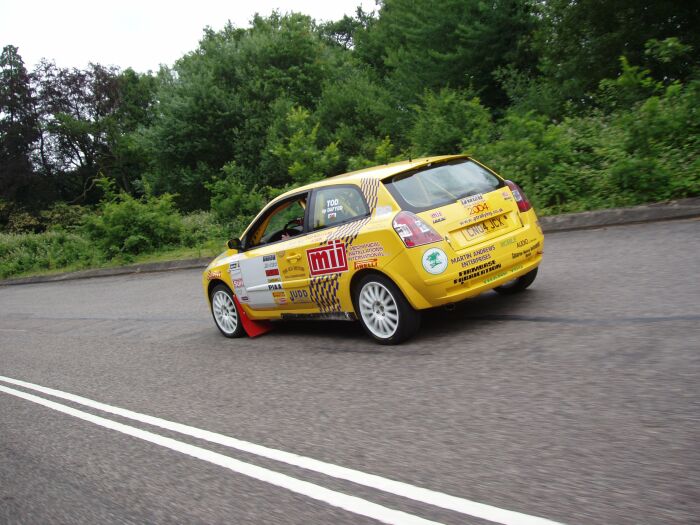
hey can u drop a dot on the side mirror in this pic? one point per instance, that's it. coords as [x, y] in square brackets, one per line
[234, 244]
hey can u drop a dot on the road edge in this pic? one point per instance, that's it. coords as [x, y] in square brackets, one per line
[655, 212]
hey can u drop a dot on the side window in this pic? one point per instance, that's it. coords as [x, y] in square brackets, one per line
[283, 221]
[337, 204]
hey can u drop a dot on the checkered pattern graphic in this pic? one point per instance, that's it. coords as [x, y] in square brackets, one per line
[324, 292]
[324, 288]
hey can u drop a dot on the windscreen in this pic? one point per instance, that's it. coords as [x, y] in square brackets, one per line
[441, 184]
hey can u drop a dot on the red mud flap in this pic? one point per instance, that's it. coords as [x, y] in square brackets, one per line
[252, 328]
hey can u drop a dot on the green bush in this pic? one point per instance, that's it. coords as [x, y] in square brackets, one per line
[24, 253]
[128, 226]
[20, 221]
[64, 216]
[604, 159]
[202, 229]
[448, 122]
[232, 202]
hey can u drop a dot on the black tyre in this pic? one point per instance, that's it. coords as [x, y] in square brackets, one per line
[224, 311]
[383, 311]
[517, 285]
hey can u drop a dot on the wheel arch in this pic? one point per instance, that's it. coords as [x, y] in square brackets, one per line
[360, 274]
[213, 283]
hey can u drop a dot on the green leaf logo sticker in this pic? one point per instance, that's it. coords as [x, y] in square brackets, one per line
[434, 261]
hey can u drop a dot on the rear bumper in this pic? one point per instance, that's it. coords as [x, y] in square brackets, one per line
[499, 261]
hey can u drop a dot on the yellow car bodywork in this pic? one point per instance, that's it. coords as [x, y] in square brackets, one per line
[487, 241]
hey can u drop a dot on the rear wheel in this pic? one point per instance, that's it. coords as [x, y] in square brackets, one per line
[225, 313]
[517, 285]
[383, 310]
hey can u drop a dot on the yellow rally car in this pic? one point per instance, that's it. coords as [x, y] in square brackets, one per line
[378, 245]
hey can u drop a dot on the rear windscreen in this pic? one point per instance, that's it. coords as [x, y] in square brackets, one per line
[441, 184]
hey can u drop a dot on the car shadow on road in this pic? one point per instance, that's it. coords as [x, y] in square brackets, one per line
[348, 337]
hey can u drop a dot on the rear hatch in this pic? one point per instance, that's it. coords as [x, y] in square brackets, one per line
[460, 199]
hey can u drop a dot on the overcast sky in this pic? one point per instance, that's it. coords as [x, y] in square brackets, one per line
[132, 33]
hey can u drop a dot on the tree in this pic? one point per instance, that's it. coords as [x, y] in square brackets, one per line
[580, 41]
[426, 44]
[219, 103]
[18, 127]
[448, 122]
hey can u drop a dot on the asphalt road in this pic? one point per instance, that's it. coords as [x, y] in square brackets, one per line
[576, 401]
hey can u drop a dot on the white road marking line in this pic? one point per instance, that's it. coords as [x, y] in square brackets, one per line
[337, 499]
[11, 330]
[430, 497]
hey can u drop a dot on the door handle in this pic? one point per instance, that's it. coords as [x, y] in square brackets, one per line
[293, 257]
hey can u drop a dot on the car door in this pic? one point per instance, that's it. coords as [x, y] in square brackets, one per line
[336, 214]
[271, 273]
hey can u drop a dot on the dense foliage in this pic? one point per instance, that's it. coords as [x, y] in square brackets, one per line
[585, 103]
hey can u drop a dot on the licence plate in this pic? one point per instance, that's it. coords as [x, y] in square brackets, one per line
[486, 227]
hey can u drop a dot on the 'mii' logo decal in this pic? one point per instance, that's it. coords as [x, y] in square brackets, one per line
[327, 259]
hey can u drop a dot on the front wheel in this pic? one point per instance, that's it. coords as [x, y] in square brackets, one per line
[383, 310]
[225, 313]
[517, 285]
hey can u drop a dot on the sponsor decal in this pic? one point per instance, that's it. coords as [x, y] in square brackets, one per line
[522, 243]
[280, 300]
[472, 199]
[381, 211]
[478, 208]
[270, 257]
[237, 283]
[369, 263]
[367, 250]
[495, 277]
[527, 252]
[234, 265]
[274, 286]
[516, 195]
[506, 195]
[299, 296]
[213, 274]
[434, 261]
[245, 298]
[273, 280]
[437, 216]
[327, 259]
[332, 207]
[507, 242]
[272, 272]
[475, 257]
[483, 216]
[291, 272]
[277, 294]
[477, 271]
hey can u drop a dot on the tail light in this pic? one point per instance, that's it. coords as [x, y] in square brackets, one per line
[413, 230]
[519, 196]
